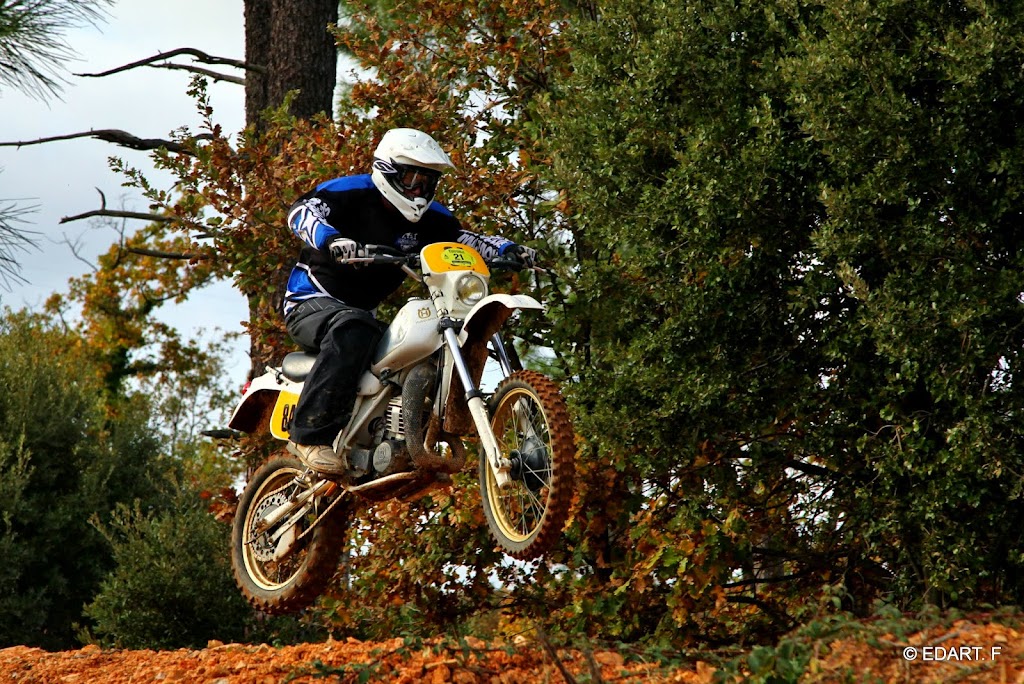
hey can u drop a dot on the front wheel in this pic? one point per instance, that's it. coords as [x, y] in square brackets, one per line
[283, 567]
[531, 424]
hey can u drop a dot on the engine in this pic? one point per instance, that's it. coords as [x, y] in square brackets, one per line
[388, 451]
[389, 454]
[394, 422]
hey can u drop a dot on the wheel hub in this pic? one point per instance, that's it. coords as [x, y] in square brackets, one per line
[262, 548]
[530, 464]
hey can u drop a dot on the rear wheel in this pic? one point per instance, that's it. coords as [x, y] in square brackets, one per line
[531, 423]
[282, 569]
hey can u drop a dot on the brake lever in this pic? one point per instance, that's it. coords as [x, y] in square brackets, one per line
[515, 265]
[380, 259]
[506, 264]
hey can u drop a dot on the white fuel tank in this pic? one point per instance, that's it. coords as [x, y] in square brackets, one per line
[411, 337]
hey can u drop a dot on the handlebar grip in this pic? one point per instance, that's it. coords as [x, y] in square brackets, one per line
[388, 259]
[383, 250]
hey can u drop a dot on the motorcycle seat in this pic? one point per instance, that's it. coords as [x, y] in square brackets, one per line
[296, 366]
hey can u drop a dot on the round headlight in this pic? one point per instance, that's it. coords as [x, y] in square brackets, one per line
[470, 289]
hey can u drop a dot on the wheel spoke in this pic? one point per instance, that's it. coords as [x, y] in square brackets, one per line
[530, 422]
[260, 548]
[282, 566]
[518, 421]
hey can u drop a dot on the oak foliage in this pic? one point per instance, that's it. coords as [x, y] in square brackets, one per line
[806, 216]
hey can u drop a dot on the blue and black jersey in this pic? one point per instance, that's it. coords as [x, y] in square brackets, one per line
[353, 208]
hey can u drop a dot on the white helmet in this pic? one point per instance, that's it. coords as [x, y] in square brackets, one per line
[406, 167]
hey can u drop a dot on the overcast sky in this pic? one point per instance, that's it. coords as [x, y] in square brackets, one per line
[62, 177]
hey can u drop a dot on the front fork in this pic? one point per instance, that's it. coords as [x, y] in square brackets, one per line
[499, 352]
[500, 466]
[521, 410]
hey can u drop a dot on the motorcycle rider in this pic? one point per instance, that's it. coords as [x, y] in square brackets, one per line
[329, 306]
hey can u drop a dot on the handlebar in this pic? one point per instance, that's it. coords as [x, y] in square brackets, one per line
[382, 259]
[387, 255]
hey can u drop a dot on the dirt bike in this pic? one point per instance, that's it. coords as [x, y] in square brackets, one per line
[416, 402]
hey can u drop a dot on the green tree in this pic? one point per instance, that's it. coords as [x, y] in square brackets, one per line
[66, 455]
[911, 107]
[796, 325]
[790, 315]
[172, 584]
[123, 354]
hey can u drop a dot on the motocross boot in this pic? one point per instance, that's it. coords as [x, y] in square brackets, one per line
[322, 459]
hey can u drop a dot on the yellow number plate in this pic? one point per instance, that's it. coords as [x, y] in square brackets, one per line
[284, 411]
[442, 257]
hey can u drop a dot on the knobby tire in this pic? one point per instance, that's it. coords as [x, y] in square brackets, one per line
[536, 538]
[322, 547]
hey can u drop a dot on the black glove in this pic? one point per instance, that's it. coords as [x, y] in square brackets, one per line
[527, 256]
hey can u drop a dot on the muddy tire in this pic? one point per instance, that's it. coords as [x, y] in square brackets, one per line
[531, 423]
[294, 581]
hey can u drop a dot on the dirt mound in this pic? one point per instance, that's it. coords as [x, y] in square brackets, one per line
[333, 661]
[965, 650]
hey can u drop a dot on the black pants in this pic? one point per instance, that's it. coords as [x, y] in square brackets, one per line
[344, 339]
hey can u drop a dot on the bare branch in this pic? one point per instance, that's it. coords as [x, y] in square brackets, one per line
[185, 256]
[811, 469]
[75, 246]
[202, 72]
[778, 616]
[123, 248]
[118, 137]
[103, 211]
[765, 580]
[542, 637]
[118, 214]
[198, 54]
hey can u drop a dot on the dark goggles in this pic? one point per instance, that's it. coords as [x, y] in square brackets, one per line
[415, 181]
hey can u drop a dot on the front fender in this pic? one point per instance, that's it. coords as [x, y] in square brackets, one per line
[494, 306]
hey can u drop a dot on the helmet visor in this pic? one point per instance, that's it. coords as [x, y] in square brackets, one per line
[415, 181]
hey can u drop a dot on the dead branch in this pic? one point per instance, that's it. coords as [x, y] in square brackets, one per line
[777, 616]
[141, 251]
[184, 256]
[103, 211]
[595, 669]
[202, 72]
[118, 137]
[117, 214]
[74, 246]
[198, 54]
